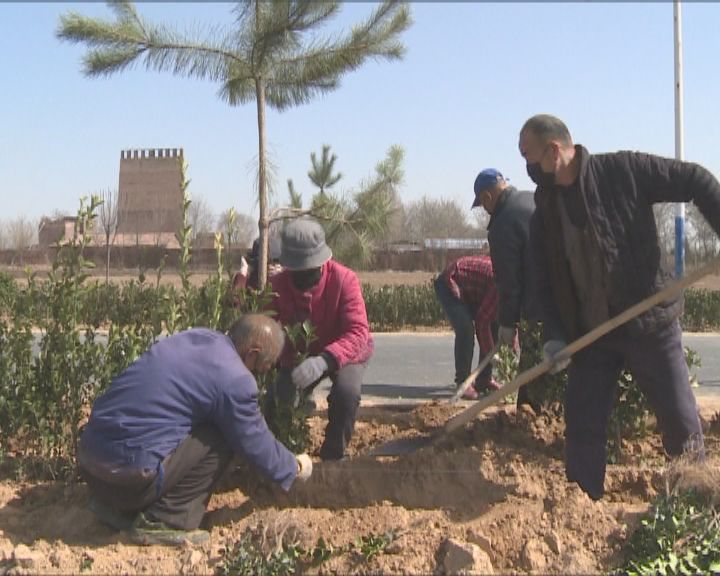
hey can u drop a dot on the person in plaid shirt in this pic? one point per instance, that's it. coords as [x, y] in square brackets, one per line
[466, 290]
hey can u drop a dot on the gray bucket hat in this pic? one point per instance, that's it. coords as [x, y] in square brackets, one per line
[303, 245]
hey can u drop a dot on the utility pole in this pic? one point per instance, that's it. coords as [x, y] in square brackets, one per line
[679, 140]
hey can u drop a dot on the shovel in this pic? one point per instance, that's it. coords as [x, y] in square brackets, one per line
[409, 445]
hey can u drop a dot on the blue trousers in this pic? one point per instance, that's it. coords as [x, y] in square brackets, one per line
[463, 324]
[657, 364]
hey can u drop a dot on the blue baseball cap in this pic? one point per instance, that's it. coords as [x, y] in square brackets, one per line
[486, 179]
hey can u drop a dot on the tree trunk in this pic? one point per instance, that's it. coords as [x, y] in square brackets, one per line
[107, 263]
[263, 223]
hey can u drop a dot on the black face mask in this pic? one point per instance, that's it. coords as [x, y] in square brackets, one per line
[305, 279]
[540, 177]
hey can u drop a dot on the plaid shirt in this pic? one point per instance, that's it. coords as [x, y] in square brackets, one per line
[470, 279]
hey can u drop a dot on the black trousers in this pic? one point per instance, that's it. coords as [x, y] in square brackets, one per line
[343, 403]
[658, 365]
[181, 498]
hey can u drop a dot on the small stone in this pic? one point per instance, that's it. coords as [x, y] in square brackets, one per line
[534, 555]
[476, 537]
[395, 547]
[553, 541]
[464, 558]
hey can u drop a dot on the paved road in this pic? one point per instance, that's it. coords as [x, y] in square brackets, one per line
[414, 366]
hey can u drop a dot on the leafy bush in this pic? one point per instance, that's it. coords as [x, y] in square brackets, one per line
[702, 310]
[680, 535]
[257, 554]
[393, 307]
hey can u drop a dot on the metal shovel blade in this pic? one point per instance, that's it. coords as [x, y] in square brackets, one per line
[402, 446]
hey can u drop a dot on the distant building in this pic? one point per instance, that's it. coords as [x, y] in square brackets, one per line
[479, 244]
[52, 232]
[150, 197]
[204, 240]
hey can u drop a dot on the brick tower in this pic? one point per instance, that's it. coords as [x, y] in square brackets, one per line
[150, 196]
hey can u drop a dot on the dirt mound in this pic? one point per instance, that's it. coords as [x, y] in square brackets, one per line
[495, 490]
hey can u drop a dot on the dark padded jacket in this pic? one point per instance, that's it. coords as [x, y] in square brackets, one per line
[618, 191]
[508, 236]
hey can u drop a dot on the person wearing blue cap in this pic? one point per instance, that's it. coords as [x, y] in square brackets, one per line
[597, 254]
[508, 231]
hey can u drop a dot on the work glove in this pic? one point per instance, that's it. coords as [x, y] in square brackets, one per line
[243, 267]
[310, 370]
[304, 467]
[506, 336]
[550, 350]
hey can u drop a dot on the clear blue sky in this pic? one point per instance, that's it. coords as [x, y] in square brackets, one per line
[472, 74]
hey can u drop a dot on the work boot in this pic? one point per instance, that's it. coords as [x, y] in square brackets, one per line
[110, 516]
[470, 394]
[147, 531]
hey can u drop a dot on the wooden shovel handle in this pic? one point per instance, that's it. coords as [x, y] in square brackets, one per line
[531, 374]
[473, 375]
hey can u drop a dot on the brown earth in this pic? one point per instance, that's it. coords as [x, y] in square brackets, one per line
[499, 483]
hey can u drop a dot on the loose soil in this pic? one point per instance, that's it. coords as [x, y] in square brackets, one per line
[499, 483]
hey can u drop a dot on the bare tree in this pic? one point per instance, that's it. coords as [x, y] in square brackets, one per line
[22, 233]
[3, 236]
[665, 224]
[200, 217]
[108, 217]
[437, 218]
[702, 237]
[238, 229]
[481, 219]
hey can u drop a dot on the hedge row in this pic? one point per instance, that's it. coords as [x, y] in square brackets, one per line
[389, 308]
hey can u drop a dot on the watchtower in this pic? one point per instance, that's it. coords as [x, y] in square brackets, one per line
[150, 196]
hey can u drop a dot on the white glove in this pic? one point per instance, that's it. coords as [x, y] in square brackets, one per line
[304, 467]
[550, 350]
[506, 336]
[244, 266]
[310, 370]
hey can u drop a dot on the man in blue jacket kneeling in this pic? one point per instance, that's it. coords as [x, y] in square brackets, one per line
[162, 435]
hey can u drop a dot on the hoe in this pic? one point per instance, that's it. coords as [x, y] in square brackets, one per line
[408, 445]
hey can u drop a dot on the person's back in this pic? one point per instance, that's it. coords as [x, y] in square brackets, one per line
[151, 406]
[161, 436]
[508, 236]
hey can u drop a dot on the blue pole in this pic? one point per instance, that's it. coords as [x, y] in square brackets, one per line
[679, 246]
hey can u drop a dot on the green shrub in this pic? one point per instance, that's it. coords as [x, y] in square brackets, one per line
[702, 310]
[392, 307]
[680, 535]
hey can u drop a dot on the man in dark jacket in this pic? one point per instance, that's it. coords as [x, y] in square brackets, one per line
[312, 286]
[508, 231]
[161, 436]
[597, 255]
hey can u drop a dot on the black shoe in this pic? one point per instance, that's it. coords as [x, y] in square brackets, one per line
[110, 516]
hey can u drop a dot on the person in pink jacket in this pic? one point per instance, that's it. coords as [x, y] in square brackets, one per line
[314, 287]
